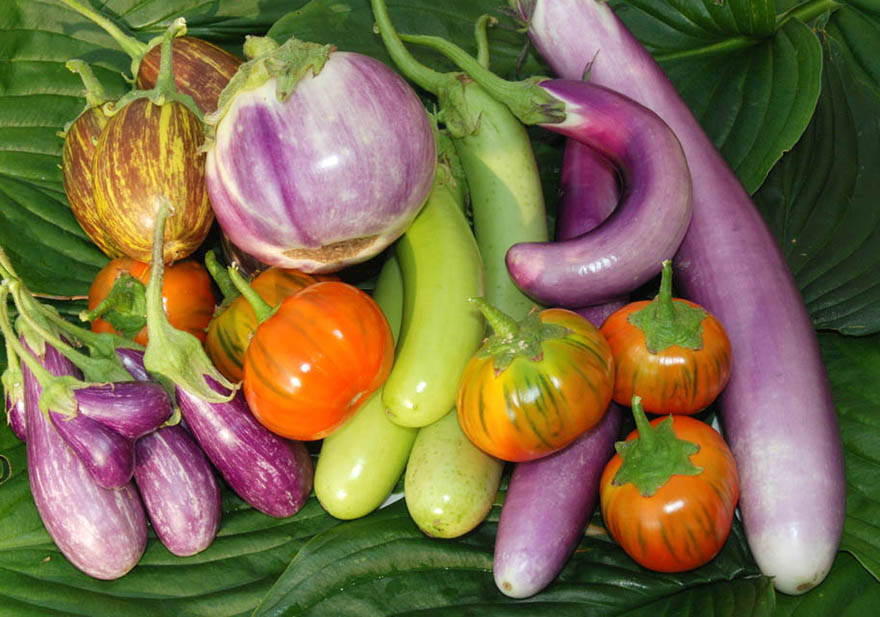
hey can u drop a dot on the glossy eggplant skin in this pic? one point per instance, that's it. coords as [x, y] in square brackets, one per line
[102, 532]
[107, 455]
[778, 403]
[16, 416]
[77, 158]
[272, 474]
[201, 70]
[131, 408]
[179, 490]
[147, 152]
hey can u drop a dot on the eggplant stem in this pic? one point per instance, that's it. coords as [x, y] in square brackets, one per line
[94, 90]
[262, 309]
[134, 48]
[221, 277]
[481, 35]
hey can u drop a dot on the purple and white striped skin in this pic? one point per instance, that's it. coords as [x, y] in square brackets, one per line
[777, 413]
[102, 532]
[330, 176]
[107, 455]
[548, 504]
[272, 474]
[647, 226]
[179, 490]
[589, 191]
[131, 408]
[16, 416]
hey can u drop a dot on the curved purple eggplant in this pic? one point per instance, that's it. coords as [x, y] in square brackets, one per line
[107, 455]
[648, 224]
[179, 490]
[547, 506]
[102, 532]
[272, 474]
[778, 402]
[131, 408]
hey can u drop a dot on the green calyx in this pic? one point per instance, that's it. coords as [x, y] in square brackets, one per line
[287, 64]
[513, 339]
[666, 321]
[654, 456]
[125, 307]
[176, 356]
[164, 91]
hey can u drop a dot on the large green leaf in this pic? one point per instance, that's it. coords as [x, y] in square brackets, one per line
[752, 87]
[854, 364]
[821, 201]
[383, 565]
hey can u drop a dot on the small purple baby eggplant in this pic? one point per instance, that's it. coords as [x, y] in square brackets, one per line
[16, 416]
[107, 455]
[272, 474]
[131, 408]
[179, 489]
[133, 361]
[102, 532]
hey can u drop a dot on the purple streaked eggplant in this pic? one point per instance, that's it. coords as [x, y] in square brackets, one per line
[102, 532]
[547, 506]
[16, 415]
[656, 205]
[107, 455]
[319, 159]
[777, 404]
[130, 408]
[272, 474]
[179, 490]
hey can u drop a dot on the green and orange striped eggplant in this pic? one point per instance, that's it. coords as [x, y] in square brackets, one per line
[149, 151]
[535, 385]
[77, 156]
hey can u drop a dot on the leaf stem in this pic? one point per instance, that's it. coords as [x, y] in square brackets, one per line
[134, 48]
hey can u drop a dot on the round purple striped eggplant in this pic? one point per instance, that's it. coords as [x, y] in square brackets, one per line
[777, 404]
[179, 490]
[102, 532]
[325, 175]
[547, 506]
[272, 474]
[131, 408]
[107, 455]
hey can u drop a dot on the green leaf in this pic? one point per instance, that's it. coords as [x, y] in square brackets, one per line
[854, 364]
[383, 565]
[821, 201]
[752, 88]
[856, 28]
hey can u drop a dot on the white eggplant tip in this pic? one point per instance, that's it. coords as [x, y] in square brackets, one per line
[795, 568]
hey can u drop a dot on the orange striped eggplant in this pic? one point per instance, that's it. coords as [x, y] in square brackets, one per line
[535, 385]
[316, 359]
[668, 495]
[231, 330]
[670, 352]
[149, 151]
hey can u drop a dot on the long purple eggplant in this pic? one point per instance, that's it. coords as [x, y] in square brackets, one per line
[107, 455]
[102, 532]
[179, 490]
[272, 474]
[777, 404]
[547, 506]
[648, 224]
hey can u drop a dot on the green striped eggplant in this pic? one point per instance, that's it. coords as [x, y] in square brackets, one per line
[146, 152]
[535, 385]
